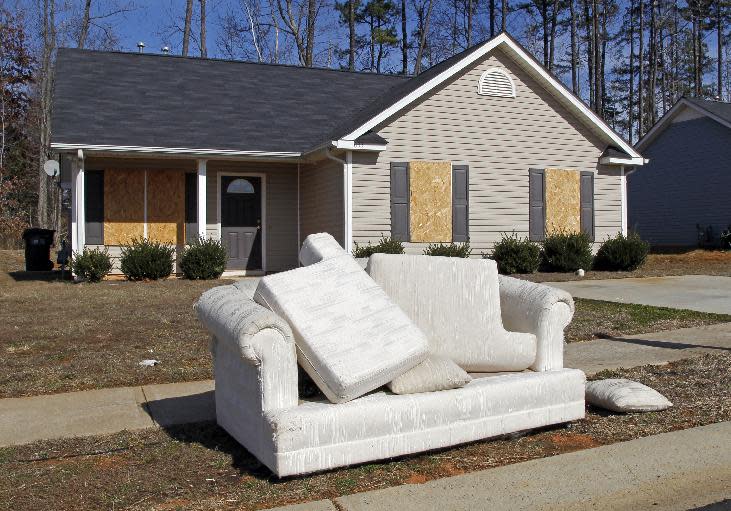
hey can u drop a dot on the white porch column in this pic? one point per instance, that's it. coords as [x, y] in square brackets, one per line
[623, 188]
[78, 218]
[202, 198]
[348, 206]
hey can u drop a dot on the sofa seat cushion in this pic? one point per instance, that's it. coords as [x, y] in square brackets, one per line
[482, 408]
[456, 303]
[350, 337]
[433, 374]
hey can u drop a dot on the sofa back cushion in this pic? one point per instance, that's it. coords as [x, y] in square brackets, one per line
[318, 247]
[351, 337]
[456, 303]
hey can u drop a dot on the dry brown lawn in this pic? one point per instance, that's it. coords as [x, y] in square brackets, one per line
[201, 467]
[60, 337]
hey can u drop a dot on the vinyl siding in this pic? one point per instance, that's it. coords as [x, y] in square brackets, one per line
[321, 199]
[500, 139]
[685, 183]
[282, 245]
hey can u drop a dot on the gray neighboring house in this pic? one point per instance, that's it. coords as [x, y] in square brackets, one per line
[687, 180]
[259, 156]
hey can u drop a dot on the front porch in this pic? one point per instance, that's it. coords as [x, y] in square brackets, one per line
[260, 210]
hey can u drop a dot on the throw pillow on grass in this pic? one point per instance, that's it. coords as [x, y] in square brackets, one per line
[622, 395]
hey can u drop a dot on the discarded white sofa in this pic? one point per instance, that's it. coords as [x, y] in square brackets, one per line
[507, 333]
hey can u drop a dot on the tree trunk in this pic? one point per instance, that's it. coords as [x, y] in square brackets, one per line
[589, 54]
[544, 21]
[641, 78]
[351, 33]
[719, 50]
[45, 189]
[422, 38]
[504, 17]
[574, 50]
[204, 50]
[84, 28]
[652, 86]
[310, 44]
[186, 28]
[631, 96]
[469, 19]
[404, 39]
[552, 39]
[492, 18]
[595, 56]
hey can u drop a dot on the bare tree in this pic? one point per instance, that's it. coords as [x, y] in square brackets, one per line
[492, 18]
[204, 50]
[423, 35]
[504, 17]
[574, 49]
[45, 88]
[299, 20]
[404, 40]
[186, 28]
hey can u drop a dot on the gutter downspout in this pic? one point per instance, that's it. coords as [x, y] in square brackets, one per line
[347, 197]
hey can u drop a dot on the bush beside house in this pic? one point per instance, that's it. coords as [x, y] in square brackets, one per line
[204, 259]
[566, 251]
[516, 255]
[385, 246]
[622, 253]
[448, 249]
[91, 265]
[143, 259]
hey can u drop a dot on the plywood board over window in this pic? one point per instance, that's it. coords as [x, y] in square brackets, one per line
[430, 202]
[563, 200]
[124, 205]
[166, 206]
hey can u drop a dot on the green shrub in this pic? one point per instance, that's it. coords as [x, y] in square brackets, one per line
[725, 239]
[566, 251]
[91, 265]
[385, 246]
[204, 259]
[622, 253]
[448, 249]
[515, 255]
[143, 259]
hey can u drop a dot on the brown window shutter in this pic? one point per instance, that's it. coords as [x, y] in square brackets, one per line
[587, 203]
[400, 201]
[460, 203]
[536, 205]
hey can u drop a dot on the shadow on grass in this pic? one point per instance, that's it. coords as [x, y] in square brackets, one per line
[660, 344]
[39, 276]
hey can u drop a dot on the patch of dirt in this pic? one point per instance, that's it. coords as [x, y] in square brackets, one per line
[162, 469]
[694, 262]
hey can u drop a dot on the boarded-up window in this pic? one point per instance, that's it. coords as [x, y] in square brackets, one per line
[124, 205]
[536, 205]
[430, 203]
[460, 203]
[400, 201]
[94, 206]
[561, 197]
[587, 203]
[191, 207]
[166, 206]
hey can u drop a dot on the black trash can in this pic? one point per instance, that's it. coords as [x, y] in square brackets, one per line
[38, 243]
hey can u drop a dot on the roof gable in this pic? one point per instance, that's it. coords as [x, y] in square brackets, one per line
[399, 98]
[717, 110]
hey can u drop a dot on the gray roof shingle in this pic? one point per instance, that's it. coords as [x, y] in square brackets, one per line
[717, 108]
[131, 99]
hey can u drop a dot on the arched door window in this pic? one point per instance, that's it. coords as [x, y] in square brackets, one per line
[240, 186]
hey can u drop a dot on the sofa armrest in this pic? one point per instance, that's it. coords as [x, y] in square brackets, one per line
[251, 345]
[540, 310]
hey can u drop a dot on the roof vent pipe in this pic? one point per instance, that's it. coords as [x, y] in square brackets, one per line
[165, 49]
[141, 46]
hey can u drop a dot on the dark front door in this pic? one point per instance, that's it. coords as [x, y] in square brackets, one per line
[241, 221]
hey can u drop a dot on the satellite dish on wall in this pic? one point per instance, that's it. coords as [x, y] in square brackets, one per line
[51, 167]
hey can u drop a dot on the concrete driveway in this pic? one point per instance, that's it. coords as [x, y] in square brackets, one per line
[696, 292]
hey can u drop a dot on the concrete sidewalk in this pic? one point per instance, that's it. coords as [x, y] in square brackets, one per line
[681, 470]
[704, 293]
[105, 411]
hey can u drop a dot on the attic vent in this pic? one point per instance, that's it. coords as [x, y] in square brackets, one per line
[496, 82]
